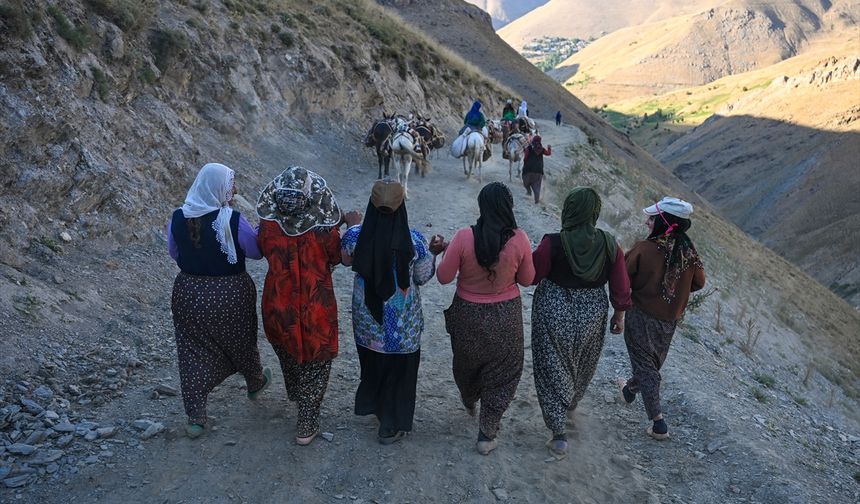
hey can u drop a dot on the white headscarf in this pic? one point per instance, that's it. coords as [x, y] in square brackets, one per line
[524, 107]
[212, 190]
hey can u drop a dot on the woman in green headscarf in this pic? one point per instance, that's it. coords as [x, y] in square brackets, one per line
[570, 308]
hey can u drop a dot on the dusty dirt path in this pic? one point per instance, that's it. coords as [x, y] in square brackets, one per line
[250, 456]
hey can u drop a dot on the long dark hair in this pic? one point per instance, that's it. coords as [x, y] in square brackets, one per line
[495, 226]
[193, 226]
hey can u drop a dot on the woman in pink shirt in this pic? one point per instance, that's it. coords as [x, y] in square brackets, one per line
[485, 320]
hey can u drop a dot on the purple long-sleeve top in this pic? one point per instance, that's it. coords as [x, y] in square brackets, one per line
[247, 240]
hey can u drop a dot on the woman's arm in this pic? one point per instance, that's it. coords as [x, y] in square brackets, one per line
[526, 268]
[172, 247]
[619, 283]
[447, 269]
[347, 244]
[332, 246]
[425, 263]
[698, 279]
[542, 259]
[248, 239]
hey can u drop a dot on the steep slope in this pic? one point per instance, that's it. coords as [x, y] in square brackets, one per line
[471, 36]
[804, 109]
[504, 11]
[99, 123]
[588, 19]
[467, 31]
[695, 49]
[104, 136]
[798, 195]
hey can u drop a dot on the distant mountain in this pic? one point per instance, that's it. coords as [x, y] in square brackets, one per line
[695, 49]
[504, 11]
[591, 19]
[783, 162]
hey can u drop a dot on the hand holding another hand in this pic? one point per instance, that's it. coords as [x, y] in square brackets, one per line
[437, 244]
[616, 325]
[352, 218]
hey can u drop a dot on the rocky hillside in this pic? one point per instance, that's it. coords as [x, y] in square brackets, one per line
[695, 49]
[504, 11]
[155, 91]
[588, 19]
[110, 107]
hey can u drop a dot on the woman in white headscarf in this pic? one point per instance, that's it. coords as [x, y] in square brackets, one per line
[214, 300]
[524, 109]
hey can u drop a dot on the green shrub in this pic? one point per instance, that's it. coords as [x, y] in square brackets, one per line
[759, 395]
[77, 36]
[101, 82]
[147, 75]
[766, 380]
[287, 38]
[126, 14]
[15, 19]
[167, 45]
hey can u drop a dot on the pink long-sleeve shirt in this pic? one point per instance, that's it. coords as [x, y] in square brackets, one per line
[474, 284]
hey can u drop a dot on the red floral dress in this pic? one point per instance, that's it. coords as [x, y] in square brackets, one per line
[299, 306]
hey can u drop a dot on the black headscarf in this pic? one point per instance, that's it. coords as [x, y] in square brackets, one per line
[384, 238]
[496, 224]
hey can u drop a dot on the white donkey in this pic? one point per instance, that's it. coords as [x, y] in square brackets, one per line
[474, 154]
[403, 149]
[514, 147]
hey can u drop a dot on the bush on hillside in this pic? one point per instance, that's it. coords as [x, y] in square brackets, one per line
[126, 14]
[78, 37]
[167, 45]
[14, 20]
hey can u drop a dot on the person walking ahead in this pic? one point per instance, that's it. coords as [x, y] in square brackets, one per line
[570, 308]
[299, 238]
[214, 300]
[664, 269]
[485, 320]
[533, 156]
[390, 260]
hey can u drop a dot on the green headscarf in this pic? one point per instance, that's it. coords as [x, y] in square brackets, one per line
[586, 247]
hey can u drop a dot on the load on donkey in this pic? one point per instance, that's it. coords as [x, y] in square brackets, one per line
[400, 137]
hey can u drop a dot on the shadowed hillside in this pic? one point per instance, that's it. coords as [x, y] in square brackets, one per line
[786, 133]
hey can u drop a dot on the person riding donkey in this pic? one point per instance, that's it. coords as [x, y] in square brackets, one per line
[476, 121]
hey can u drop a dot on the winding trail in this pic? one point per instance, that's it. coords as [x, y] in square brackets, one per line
[250, 456]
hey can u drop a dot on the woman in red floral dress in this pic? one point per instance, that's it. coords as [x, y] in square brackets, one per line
[299, 238]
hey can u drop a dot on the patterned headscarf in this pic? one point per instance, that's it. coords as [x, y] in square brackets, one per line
[298, 200]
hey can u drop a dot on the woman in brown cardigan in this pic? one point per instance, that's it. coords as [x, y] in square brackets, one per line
[664, 269]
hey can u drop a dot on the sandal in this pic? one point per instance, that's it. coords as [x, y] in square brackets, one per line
[304, 441]
[397, 436]
[485, 447]
[558, 447]
[267, 375]
[624, 393]
[659, 436]
[194, 430]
